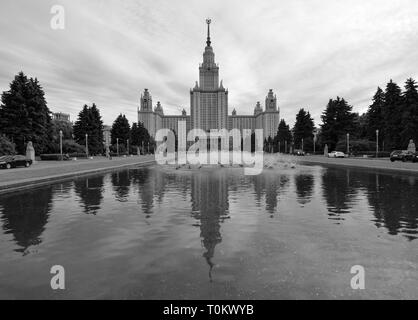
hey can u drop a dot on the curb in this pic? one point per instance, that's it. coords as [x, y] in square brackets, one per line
[36, 182]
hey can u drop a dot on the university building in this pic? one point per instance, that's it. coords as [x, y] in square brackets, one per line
[209, 105]
[59, 116]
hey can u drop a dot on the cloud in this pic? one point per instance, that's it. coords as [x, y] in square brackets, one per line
[306, 51]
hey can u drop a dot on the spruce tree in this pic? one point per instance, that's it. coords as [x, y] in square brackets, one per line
[6, 146]
[80, 127]
[24, 115]
[375, 116]
[337, 121]
[393, 116]
[283, 135]
[410, 113]
[361, 128]
[120, 130]
[144, 135]
[329, 127]
[96, 131]
[135, 135]
[303, 129]
[140, 136]
[89, 122]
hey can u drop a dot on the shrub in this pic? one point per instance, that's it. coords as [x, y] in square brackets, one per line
[355, 145]
[53, 157]
[77, 155]
[6, 147]
[70, 146]
[122, 149]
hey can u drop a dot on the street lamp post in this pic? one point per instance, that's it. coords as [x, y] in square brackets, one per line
[302, 144]
[348, 144]
[285, 146]
[377, 143]
[117, 146]
[127, 144]
[61, 143]
[279, 147]
[87, 145]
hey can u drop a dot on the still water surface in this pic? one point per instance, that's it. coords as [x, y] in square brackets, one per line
[153, 233]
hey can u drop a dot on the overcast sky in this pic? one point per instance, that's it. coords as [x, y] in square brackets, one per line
[306, 51]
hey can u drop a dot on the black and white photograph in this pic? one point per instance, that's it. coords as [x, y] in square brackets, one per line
[192, 151]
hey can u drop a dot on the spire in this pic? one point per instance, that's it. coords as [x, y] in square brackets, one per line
[208, 55]
[208, 21]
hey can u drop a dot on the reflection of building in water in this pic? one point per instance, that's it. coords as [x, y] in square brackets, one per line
[90, 192]
[25, 216]
[151, 185]
[210, 206]
[270, 185]
[304, 187]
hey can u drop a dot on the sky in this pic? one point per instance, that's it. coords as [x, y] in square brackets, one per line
[307, 51]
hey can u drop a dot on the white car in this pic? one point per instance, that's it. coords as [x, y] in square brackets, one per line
[336, 154]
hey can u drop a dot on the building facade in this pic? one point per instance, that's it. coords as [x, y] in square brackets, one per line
[59, 116]
[209, 105]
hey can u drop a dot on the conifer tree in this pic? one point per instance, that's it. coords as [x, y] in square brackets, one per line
[375, 116]
[410, 113]
[135, 135]
[337, 121]
[121, 130]
[393, 116]
[303, 129]
[283, 136]
[24, 115]
[89, 122]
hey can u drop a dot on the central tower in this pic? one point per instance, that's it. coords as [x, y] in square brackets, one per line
[209, 99]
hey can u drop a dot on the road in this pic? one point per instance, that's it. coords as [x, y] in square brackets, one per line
[368, 163]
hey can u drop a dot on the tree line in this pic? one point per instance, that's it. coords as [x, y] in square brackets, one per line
[25, 116]
[391, 121]
[392, 118]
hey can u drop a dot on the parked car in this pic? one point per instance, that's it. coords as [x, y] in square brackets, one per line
[403, 155]
[298, 152]
[8, 162]
[415, 157]
[336, 154]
